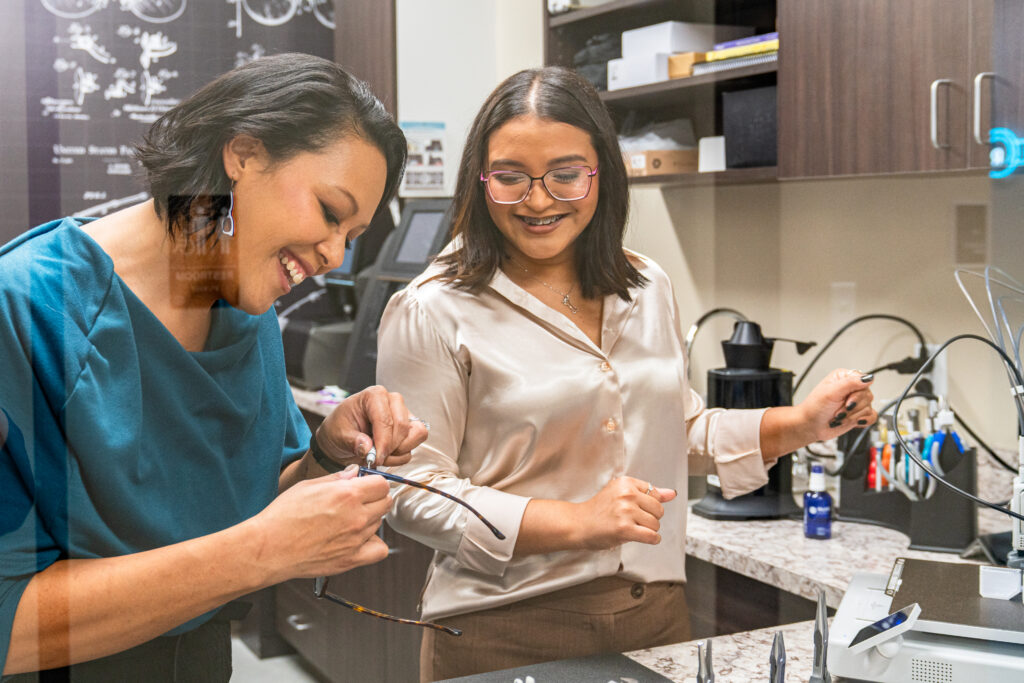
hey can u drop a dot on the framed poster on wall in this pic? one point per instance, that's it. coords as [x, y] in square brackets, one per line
[99, 72]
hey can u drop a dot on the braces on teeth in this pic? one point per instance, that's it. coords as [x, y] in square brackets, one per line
[541, 221]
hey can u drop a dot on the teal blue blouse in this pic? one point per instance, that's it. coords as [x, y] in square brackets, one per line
[113, 438]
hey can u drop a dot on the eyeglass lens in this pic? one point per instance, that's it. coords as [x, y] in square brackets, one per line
[564, 184]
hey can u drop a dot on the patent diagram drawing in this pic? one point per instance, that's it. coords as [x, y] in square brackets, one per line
[85, 83]
[82, 38]
[254, 53]
[278, 12]
[154, 11]
[155, 84]
[119, 65]
[155, 46]
[106, 207]
[123, 85]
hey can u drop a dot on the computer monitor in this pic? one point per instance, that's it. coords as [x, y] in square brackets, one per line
[421, 234]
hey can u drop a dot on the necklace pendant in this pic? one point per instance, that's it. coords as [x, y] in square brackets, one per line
[568, 304]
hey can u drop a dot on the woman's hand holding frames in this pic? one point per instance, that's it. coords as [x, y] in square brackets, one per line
[320, 588]
[345, 434]
[322, 526]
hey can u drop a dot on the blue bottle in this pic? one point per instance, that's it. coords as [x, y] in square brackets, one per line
[817, 506]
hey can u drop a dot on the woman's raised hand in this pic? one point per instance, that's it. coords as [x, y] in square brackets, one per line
[840, 402]
[626, 509]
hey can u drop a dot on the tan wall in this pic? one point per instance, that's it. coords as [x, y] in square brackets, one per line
[772, 251]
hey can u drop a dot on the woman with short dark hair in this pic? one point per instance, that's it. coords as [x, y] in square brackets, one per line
[153, 462]
[551, 360]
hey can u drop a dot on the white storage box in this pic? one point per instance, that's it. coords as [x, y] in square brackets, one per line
[627, 72]
[678, 36]
[712, 154]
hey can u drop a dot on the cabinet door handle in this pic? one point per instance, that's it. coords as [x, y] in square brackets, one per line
[296, 622]
[935, 112]
[977, 105]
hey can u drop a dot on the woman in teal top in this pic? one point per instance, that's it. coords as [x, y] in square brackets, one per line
[153, 464]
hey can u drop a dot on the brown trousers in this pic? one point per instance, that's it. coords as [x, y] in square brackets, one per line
[609, 614]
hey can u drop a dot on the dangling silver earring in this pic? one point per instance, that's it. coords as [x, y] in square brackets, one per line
[227, 223]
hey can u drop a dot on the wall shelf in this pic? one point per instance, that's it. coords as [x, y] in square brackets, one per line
[664, 92]
[606, 11]
[732, 176]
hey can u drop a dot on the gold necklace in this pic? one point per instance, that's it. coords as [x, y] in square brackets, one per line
[565, 295]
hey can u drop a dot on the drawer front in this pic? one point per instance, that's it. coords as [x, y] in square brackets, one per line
[302, 621]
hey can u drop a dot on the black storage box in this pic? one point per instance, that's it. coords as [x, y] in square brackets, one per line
[750, 126]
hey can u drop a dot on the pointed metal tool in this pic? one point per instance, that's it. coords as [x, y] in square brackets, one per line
[819, 666]
[705, 673]
[778, 660]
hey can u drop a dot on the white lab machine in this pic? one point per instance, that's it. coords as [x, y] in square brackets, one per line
[926, 623]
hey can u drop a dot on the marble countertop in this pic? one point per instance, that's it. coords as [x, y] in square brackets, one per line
[776, 552]
[737, 657]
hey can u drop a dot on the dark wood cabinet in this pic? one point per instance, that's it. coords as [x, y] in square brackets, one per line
[882, 86]
[345, 645]
[1008, 65]
[697, 98]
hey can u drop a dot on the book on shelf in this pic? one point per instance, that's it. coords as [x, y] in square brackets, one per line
[742, 50]
[735, 63]
[681, 65]
[749, 40]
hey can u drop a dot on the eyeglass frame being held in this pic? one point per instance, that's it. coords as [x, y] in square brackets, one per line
[320, 585]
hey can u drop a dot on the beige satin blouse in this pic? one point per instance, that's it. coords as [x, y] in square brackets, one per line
[522, 404]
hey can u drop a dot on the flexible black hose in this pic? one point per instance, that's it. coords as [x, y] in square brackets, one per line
[916, 457]
[844, 328]
[963, 423]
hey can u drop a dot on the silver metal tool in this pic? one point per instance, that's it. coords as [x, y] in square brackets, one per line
[819, 665]
[705, 673]
[777, 673]
[371, 457]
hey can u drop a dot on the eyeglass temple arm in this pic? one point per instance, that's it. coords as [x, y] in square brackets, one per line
[418, 485]
[321, 592]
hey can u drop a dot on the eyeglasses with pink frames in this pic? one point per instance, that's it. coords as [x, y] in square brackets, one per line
[567, 184]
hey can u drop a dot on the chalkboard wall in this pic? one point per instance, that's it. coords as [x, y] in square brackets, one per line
[93, 74]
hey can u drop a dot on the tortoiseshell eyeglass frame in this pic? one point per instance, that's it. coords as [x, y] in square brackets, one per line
[320, 586]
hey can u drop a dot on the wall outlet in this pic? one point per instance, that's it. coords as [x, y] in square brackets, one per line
[843, 300]
[938, 371]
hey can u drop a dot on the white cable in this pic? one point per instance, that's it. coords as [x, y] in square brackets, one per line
[970, 300]
[987, 278]
[1017, 346]
[1016, 287]
[1014, 343]
[1010, 283]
